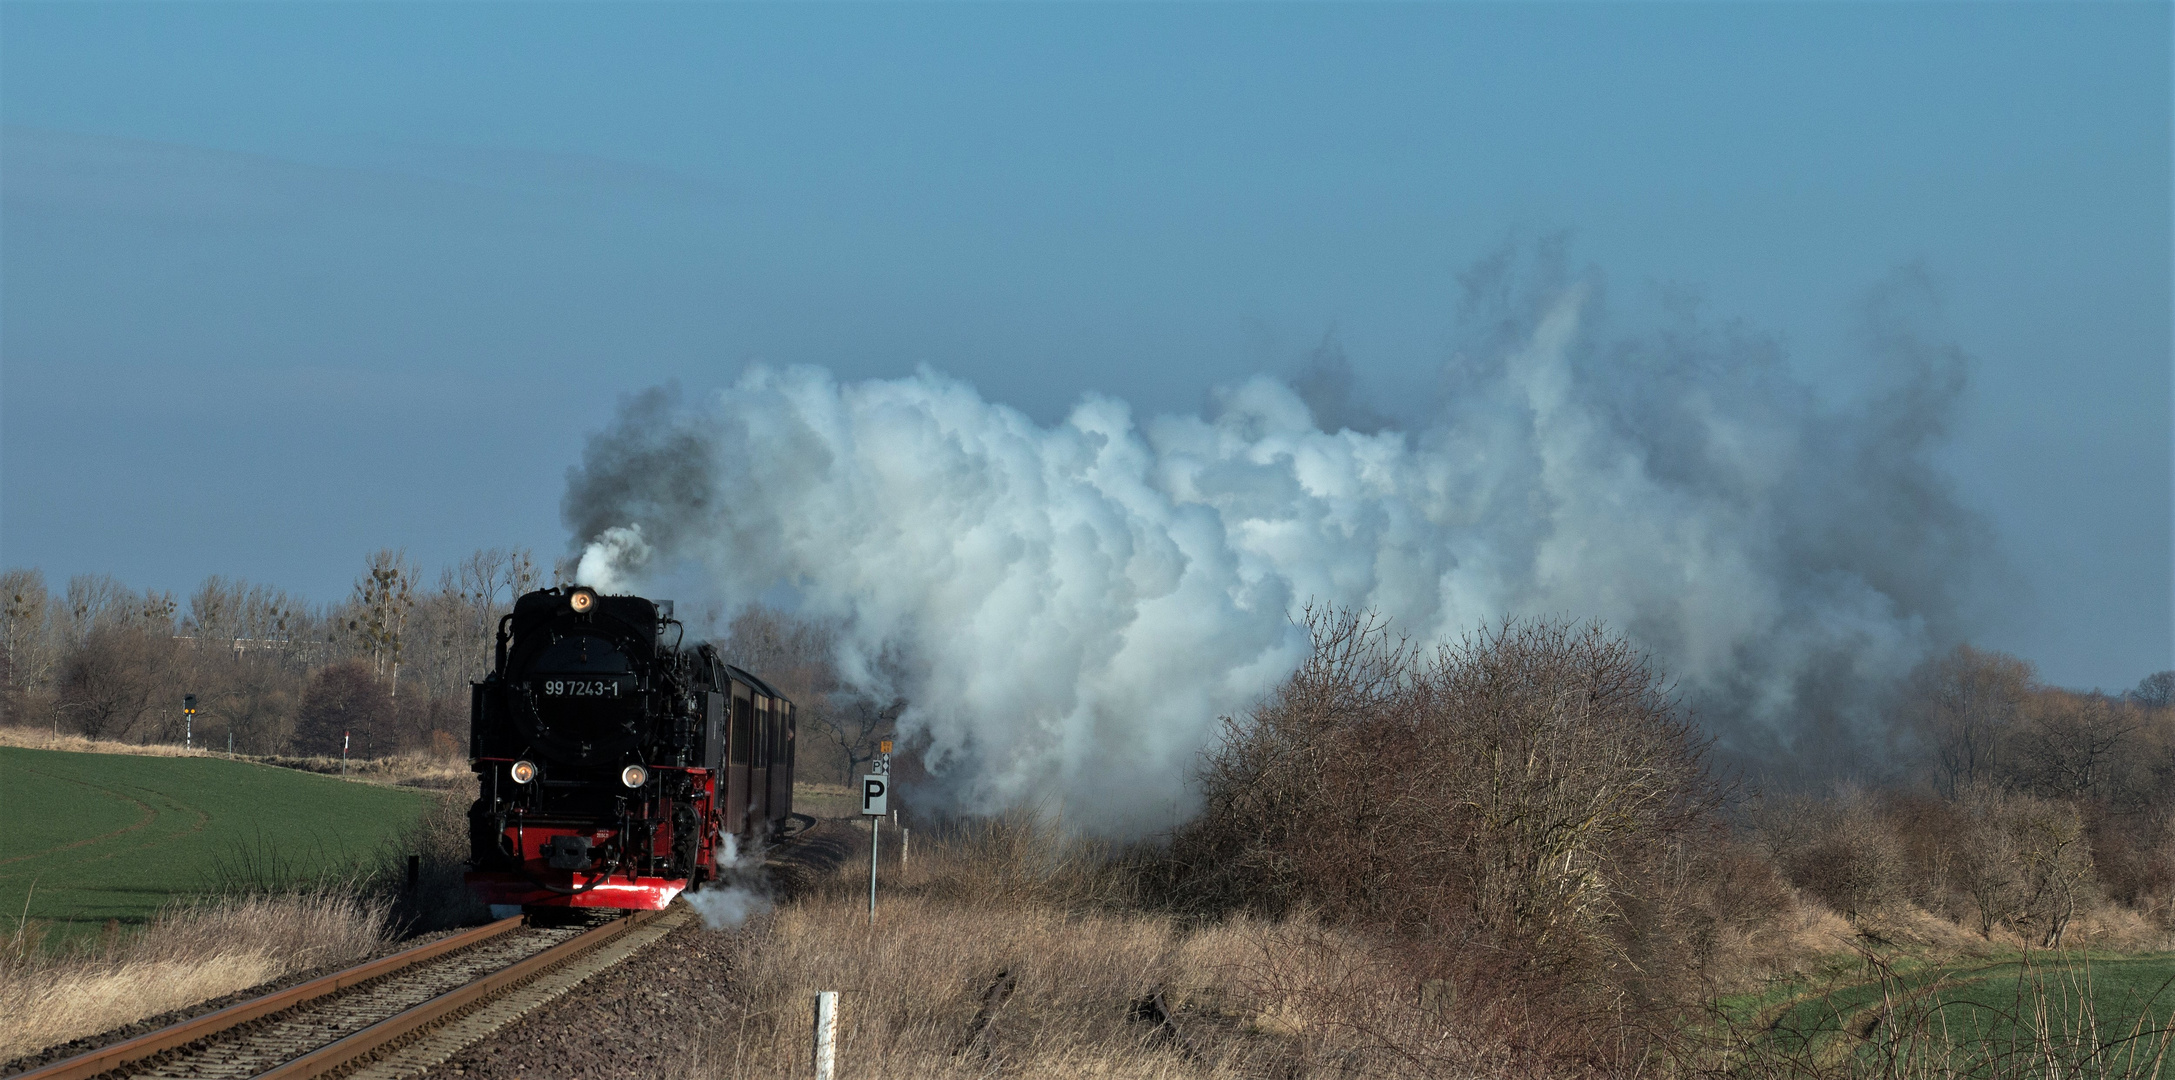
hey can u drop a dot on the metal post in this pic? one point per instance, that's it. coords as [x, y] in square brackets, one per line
[906, 844]
[826, 1034]
[873, 823]
[343, 753]
[230, 742]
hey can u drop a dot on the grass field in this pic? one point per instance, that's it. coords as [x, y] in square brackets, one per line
[2105, 1012]
[98, 837]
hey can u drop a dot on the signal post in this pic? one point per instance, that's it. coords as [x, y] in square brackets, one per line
[875, 802]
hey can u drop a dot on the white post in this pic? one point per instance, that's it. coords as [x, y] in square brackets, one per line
[826, 1034]
[906, 844]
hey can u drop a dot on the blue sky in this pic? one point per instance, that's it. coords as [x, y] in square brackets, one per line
[287, 283]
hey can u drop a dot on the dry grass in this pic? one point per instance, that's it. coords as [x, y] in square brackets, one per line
[1003, 949]
[991, 953]
[183, 957]
[46, 739]
[911, 991]
[825, 800]
[407, 770]
[1751, 955]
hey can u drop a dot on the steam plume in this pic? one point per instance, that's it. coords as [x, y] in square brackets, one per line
[738, 891]
[1068, 609]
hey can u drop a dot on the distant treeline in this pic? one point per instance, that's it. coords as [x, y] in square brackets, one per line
[388, 667]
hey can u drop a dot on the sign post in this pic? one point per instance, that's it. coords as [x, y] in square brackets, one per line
[826, 1035]
[875, 802]
[188, 721]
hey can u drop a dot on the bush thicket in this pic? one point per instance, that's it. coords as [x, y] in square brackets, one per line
[1520, 808]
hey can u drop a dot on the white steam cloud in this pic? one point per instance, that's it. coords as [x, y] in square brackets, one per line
[1069, 609]
[736, 894]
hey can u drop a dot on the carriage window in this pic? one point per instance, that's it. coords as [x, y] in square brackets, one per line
[762, 732]
[743, 728]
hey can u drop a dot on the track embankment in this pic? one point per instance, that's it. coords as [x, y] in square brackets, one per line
[393, 1017]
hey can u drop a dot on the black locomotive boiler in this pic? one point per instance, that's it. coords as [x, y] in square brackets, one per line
[614, 763]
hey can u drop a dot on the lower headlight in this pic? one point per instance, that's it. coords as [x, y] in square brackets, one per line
[633, 775]
[524, 771]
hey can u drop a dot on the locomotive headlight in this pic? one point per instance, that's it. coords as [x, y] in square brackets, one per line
[581, 601]
[524, 771]
[633, 775]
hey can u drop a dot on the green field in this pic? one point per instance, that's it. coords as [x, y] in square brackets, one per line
[97, 837]
[1980, 1015]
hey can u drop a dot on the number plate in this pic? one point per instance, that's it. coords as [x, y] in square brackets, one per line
[607, 689]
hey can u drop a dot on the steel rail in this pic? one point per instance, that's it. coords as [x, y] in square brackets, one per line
[333, 1055]
[107, 1058]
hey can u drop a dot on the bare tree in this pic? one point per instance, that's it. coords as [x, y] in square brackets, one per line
[1985, 861]
[27, 655]
[384, 595]
[487, 583]
[92, 600]
[342, 699]
[1965, 705]
[2076, 746]
[120, 682]
[795, 655]
[2055, 863]
[2155, 691]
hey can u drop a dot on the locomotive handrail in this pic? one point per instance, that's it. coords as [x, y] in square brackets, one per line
[503, 637]
[107, 1058]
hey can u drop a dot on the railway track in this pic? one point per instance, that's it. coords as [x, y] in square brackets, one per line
[382, 1020]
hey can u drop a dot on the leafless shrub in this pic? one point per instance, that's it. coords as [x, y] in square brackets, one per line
[2133, 856]
[1530, 792]
[342, 711]
[1839, 849]
[112, 685]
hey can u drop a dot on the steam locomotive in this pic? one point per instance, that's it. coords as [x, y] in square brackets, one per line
[613, 764]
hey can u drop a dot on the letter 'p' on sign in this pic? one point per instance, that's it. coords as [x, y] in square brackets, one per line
[875, 790]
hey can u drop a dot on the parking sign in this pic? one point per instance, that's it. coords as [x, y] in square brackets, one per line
[875, 792]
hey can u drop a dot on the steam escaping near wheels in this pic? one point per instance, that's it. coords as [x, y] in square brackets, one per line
[737, 894]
